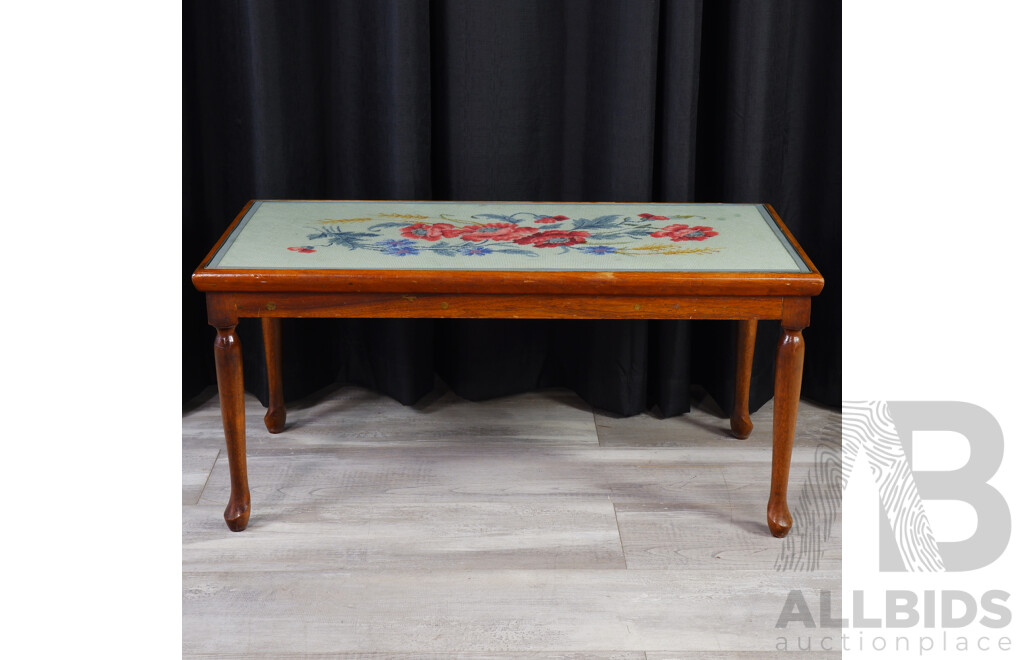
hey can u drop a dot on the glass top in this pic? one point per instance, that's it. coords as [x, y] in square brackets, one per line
[348, 235]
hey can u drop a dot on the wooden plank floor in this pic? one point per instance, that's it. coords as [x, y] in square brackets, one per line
[525, 527]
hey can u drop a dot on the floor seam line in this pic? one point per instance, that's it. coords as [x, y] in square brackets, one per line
[209, 474]
[597, 432]
[618, 529]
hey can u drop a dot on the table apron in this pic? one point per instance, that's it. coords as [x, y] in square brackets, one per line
[226, 306]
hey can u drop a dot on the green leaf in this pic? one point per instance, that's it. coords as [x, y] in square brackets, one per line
[602, 222]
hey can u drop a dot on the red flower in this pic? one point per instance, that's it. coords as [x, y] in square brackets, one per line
[432, 232]
[304, 249]
[495, 231]
[653, 217]
[552, 218]
[685, 233]
[554, 238]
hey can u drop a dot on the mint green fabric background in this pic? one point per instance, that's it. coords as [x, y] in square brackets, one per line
[747, 239]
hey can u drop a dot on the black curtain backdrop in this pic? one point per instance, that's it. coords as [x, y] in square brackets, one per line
[604, 100]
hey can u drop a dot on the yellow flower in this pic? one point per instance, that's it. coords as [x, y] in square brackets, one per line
[668, 249]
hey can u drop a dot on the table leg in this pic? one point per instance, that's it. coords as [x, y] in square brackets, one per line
[275, 417]
[746, 332]
[789, 365]
[227, 353]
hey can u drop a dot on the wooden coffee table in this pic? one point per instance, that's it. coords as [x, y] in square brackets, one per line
[515, 260]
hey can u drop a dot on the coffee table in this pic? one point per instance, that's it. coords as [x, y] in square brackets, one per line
[515, 260]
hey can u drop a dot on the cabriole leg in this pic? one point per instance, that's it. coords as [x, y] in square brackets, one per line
[275, 417]
[228, 356]
[789, 364]
[746, 332]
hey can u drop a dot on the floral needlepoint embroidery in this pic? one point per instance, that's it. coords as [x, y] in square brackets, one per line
[433, 232]
[496, 231]
[554, 238]
[398, 248]
[505, 234]
[685, 233]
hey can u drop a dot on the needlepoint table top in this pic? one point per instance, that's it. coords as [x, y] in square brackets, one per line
[278, 241]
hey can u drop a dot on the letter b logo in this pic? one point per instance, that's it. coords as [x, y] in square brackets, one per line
[883, 431]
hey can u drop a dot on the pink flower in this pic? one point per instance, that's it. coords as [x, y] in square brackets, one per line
[554, 238]
[433, 232]
[305, 249]
[495, 231]
[685, 233]
[552, 218]
[648, 216]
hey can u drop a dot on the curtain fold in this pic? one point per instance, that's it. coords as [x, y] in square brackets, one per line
[611, 100]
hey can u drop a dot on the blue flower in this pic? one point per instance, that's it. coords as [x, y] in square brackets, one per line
[398, 248]
[475, 250]
[598, 249]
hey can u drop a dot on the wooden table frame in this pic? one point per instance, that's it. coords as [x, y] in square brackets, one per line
[272, 294]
